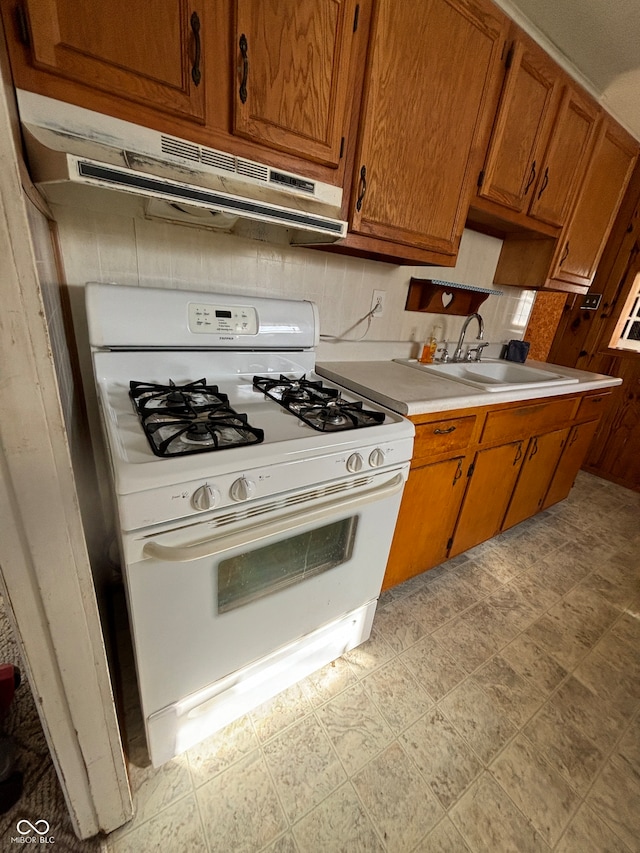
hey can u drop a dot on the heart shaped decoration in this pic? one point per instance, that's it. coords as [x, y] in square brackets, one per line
[447, 299]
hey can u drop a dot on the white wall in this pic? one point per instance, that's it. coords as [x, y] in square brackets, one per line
[103, 245]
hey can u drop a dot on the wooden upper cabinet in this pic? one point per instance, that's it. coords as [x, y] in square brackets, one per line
[514, 159]
[430, 91]
[292, 74]
[605, 182]
[541, 138]
[147, 53]
[566, 157]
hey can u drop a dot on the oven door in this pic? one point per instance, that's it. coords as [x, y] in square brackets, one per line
[230, 611]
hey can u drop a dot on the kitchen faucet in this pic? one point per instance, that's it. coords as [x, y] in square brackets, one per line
[457, 356]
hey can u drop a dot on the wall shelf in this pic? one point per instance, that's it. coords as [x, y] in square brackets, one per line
[446, 297]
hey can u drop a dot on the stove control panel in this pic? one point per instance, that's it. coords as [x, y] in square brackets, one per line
[231, 488]
[211, 319]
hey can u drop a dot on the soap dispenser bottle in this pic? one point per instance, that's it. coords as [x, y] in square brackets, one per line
[429, 349]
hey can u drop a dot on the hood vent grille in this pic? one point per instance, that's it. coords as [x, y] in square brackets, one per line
[253, 170]
[180, 148]
[216, 159]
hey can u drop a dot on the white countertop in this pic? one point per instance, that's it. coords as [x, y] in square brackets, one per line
[414, 392]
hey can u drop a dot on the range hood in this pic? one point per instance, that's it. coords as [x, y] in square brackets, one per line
[68, 146]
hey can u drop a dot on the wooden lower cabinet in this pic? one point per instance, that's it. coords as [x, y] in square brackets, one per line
[538, 467]
[491, 483]
[479, 471]
[570, 462]
[430, 506]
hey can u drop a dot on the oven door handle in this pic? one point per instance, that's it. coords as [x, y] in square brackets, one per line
[217, 544]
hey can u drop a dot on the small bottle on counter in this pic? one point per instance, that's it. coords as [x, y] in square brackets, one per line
[428, 351]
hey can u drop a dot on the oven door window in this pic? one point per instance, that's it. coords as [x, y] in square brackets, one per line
[264, 570]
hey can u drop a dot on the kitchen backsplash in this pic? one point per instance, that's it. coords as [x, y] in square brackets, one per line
[129, 249]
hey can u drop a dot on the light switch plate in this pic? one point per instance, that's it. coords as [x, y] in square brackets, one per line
[591, 301]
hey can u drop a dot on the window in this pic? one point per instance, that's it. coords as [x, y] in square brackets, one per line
[627, 331]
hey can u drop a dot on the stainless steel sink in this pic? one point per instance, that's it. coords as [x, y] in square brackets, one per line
[493, 375]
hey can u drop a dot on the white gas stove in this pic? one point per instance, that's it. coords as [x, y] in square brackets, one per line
[256, 501]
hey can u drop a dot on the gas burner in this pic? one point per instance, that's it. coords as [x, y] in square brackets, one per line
[319, 407]
[190, 418]
[338, 415]
[198, 433]
[330, 414]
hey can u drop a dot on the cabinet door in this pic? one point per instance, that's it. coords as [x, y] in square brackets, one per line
[570, 462]
[605, 182]
[541, 458]
[292, 77]
[431, 75]
[494, 474]
[565, 158]
[148, 53]
[428, 511]
[521, 128]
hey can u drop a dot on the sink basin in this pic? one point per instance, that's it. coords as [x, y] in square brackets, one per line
[495, 375]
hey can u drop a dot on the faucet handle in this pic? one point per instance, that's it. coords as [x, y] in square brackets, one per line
[478, 351]
[444, 358]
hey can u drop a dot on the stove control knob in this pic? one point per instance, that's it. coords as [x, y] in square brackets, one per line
[376, 458]
[205, 497]
[242, 489]
[355, 463]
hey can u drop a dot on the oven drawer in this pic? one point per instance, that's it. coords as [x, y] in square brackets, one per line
[444, 435]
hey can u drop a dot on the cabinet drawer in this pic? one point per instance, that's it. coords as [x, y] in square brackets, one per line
[525, 421]
[593, 406]
[443, 436]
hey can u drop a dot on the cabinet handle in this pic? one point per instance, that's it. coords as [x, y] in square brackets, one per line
[439, 431]
[534, 449]
[545, 182]
[532, 177]
[245, 68]
[362, 188]
[518, 453]
[195, 29]
[458, 473]
[565, 254]
[574, 437]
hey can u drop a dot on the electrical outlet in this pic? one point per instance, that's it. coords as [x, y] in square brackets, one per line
[377, 302]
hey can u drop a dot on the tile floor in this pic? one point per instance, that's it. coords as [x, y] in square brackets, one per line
[495, 708]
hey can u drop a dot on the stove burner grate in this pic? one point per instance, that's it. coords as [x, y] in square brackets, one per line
[319, 407]
[153, 398]
[190, 418]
